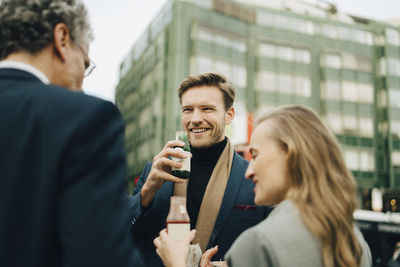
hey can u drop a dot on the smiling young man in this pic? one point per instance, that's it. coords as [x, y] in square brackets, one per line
[219, 198]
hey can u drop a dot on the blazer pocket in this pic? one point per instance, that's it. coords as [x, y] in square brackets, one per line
[245, 207]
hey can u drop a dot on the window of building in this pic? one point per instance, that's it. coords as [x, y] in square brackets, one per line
[393, 37]
[285, 53]
[394, 97]
[334, 122]
[351, 157]
[221, 67]
[349, 61]
[221, 39]
[331, 90]
[366, 126]
[239, 75]
[393, 66]
[345, 33]
[350, 123]
[267, 50]
[205, 35]
[396, 158]
[302, 86]
[329, 31]
[265, 81]
[200, 64]
[364, 64]
[349, 91]
[332, 61]
[395, 128]
[365, 93]
[367, 161]
[285, 83]
[302, 56]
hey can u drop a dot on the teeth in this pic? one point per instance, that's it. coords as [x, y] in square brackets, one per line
[198, 130]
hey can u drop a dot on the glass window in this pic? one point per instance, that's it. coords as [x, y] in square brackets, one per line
[369, 38]
[364, 64]
[329, 31]
[392, 37]
[264, 18]
[395, 128]
[267, 50]
[335, 122]
[360, 36]
[331, 90]
[332, 61]
[285, 53]
[222, 67]
[366, 93]
[344, 33]
[367, 161]
[396, 158]
[222, 40]
[394, 97]
[349, 61]
[202, 64]
[366, 127]
[205, 35]
[349, 91]
[394, 66]
[310, 27]
[281, 21]
[266, 81]
[302, 86]
[302, 56]
[351, 157]
[239, 45]
[350, 123]
[285, 83]
[239, 76]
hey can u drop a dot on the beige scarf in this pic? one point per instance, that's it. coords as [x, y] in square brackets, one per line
[212, 198]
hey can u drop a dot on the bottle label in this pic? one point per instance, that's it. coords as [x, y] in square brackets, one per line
[185, 162]
[178, 230]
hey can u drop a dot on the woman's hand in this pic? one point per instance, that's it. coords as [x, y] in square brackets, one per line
[172, 252]
[207, 256]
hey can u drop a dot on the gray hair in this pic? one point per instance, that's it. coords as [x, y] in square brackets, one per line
[27, 25]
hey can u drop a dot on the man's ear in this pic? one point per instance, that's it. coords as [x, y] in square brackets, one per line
[230, 114]
[62, 40]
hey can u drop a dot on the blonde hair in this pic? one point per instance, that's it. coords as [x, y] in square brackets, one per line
[321, 186]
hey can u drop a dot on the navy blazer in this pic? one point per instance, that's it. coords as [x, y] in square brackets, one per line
[63, 198]
[237, 213]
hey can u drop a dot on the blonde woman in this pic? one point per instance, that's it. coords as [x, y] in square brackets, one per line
[298, 166]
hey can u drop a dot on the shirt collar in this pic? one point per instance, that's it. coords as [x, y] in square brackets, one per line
[25, 67]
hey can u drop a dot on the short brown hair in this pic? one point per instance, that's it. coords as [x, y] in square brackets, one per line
[209, 79]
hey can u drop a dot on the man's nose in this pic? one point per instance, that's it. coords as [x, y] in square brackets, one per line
[196, 117]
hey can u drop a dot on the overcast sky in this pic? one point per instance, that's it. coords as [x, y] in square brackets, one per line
[118, 24]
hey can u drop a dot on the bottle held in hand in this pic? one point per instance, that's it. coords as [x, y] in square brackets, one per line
[183, 172]
[178, 221]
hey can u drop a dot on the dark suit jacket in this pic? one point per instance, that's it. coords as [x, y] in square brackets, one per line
[237, 213]
[62, 177]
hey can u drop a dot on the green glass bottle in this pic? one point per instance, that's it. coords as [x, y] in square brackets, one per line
[183, 172]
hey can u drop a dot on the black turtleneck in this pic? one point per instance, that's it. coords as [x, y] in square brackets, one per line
[202, 165]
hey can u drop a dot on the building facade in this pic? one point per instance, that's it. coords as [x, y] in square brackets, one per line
[346, 68]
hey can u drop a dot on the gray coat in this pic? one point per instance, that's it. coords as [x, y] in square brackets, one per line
[282, 240]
